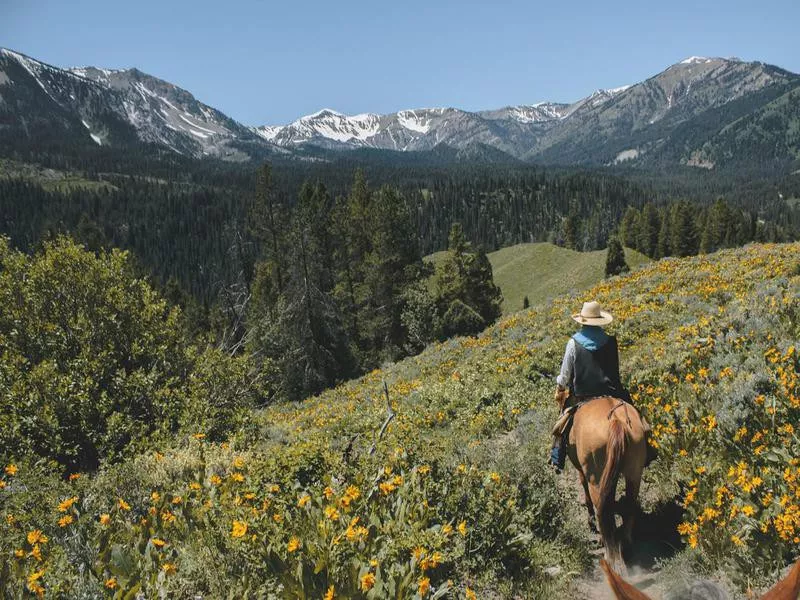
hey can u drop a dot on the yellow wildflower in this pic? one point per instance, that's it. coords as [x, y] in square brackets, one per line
[36, 537]
[367, 581]
[304, 499]
[36, 552]
[424, 586]
[33, 585]
[293, 544]
[462, 528]
[158, 543]
[65, 520]
[65, 505]
[11, 470]
[329, 595]
[111, 583]
[123, 505]
[169, 568]
[239, 529]
[105, 519]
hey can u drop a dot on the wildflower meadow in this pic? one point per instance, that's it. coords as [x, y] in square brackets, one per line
[428, 478]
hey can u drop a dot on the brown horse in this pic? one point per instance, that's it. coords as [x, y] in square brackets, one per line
[607, 440]
[787, 588]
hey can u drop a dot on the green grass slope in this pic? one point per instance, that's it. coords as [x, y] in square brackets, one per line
[435, 485]
[544, 271]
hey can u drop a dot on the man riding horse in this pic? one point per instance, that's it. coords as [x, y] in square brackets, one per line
[590, 369]
[603, 433]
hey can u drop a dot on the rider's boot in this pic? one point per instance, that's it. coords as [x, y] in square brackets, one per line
[558, 454]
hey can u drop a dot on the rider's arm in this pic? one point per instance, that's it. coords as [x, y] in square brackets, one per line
[564, 379]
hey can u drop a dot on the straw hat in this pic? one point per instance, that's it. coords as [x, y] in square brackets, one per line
[591, 314]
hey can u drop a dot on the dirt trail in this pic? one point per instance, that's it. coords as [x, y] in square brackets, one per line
[655, 537]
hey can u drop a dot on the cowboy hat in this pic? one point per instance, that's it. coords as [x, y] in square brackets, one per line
[592, 315]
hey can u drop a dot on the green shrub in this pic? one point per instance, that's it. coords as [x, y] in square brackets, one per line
[93, 363]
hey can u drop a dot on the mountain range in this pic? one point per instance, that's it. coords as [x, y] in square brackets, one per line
[702, 112]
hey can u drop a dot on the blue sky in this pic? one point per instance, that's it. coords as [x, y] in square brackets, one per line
[267, 62]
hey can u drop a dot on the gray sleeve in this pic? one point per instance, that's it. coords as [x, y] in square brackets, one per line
[564, 378]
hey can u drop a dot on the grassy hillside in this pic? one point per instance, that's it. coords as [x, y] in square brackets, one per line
[442, 491]
[51, 180]
[544, 271]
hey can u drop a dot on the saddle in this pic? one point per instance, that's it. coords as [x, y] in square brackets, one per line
[564, 421]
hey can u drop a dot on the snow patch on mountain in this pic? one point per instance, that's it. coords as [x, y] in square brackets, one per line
[694, 60]
[629, 154]
[411, 120]
[97, 139]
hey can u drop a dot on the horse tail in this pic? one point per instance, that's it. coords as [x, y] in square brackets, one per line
[615, 449]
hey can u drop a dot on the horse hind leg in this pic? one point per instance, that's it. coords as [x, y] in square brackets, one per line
[632, 484]
[588, 501]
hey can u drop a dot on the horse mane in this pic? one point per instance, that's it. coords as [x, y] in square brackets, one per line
[787, 588]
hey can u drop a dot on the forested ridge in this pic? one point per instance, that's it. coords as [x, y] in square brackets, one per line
[181, 217]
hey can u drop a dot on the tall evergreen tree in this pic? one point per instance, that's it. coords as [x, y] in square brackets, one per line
[466, 295]
[647, 231]
[664, 247]
[615, 258]
[572, 232]
[684, 232]
[629, 228]
[268, 223]
[307, 338]
[392, 263]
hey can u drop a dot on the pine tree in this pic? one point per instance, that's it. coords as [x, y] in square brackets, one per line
[466, 296]
[647, 231]
[572, 232]
[526, 303]
[307, 338]
[392, 263]
[684, 232]
[629, 228]
[268, 219]
[719, 229]
[664, 247]
[615, 258]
